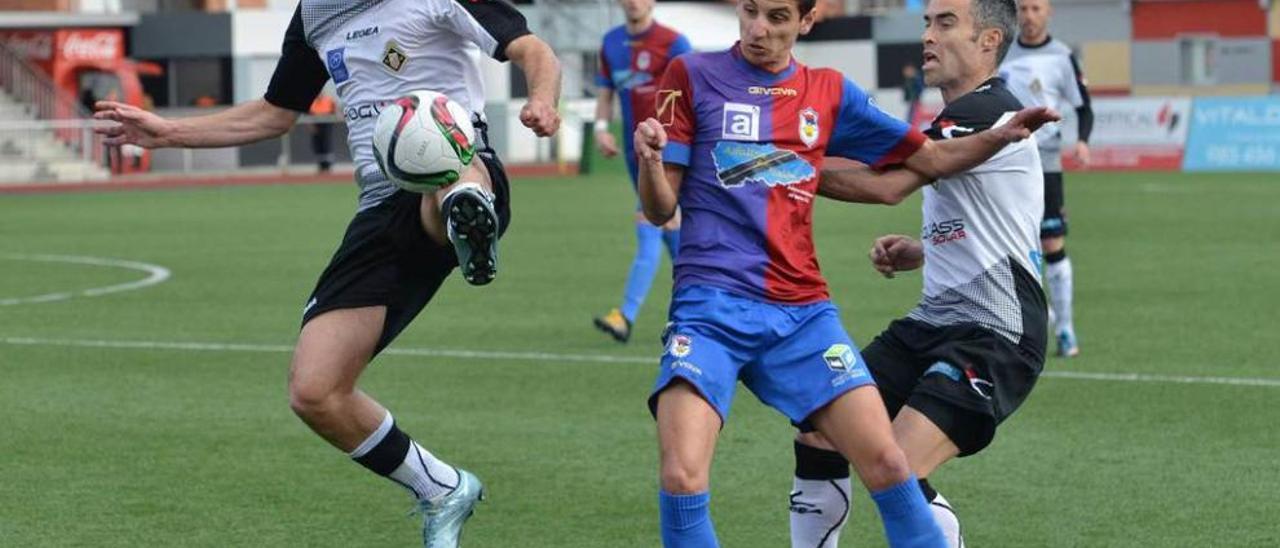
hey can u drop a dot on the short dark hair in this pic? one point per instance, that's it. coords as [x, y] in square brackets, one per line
[806, 6]
[1001, 15]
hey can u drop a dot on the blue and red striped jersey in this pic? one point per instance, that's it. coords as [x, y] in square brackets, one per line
[752, 143]
[632, 66]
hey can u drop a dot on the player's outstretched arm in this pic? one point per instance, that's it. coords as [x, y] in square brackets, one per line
[241, 124]
[659, 184]
[864, 185]
[938, 159]
[896, 253]
[542, 73]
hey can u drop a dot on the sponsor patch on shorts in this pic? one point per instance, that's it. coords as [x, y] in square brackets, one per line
[840, 357]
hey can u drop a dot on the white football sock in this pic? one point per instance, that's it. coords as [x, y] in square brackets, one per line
[819, 510]
[429, 478]
[418, 470]
[1059, 279]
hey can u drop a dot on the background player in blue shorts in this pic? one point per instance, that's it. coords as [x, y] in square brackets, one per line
[632, 60]
[739, 138]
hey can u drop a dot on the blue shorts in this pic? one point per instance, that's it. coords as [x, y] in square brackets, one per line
[795, 358]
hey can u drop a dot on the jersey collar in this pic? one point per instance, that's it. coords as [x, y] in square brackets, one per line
[647, 31]
[1047, 38]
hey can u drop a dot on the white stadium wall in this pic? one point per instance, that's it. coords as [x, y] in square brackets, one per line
[255, 48]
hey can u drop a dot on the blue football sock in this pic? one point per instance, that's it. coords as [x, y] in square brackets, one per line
[643, 267]
[908, 521]
[686, 520]
[672, 239]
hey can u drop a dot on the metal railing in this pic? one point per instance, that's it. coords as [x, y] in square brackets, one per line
[33, 96]
[51, 150]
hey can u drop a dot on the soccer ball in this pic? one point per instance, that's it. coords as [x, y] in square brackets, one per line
[423, 141]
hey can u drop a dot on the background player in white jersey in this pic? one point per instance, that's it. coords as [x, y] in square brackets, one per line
[970, 352]
[1042, 71]
[397, 250]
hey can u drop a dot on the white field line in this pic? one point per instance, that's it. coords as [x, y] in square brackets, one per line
[565, 358]
[155, 274]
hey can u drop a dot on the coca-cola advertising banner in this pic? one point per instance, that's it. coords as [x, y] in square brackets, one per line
[91, 45]
[33, 45]
[71, 45]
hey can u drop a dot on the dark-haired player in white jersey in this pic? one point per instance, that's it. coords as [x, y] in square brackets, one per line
[969, 353]
[400, 246]
[1042, 71]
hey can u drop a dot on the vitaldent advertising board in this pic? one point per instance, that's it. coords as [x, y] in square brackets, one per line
[1234, 134]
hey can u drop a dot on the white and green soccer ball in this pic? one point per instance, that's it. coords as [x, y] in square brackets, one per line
[423, 141]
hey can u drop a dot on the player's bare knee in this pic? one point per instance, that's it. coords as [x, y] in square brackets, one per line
[884, 467]
[679, 478]
[310, 399]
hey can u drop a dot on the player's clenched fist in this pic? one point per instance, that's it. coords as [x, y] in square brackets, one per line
[896, 253]
[541, 117]
[650, 137]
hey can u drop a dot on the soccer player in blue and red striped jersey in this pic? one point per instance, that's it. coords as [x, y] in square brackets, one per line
[737, 145]
[632, 60]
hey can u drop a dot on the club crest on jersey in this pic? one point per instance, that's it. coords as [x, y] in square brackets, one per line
[738, 164]
[393, 57]
[741, 122]
[336, 59]
[681, 346]
[809, 126]
[643, 60]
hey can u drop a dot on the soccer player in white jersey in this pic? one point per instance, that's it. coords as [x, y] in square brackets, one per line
[400, 246]
[1043, 71]
[969, 353]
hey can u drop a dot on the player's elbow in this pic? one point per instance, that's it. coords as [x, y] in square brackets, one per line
[898, 193]
[656, 215]
[275, 121]
[892, 198]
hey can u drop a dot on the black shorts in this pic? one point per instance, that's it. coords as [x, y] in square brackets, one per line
[1054, 222]
[967, 379]
[386, 259]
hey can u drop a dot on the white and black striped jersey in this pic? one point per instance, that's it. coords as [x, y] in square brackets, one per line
[1048, 75]
[378, 50]
[981, 232]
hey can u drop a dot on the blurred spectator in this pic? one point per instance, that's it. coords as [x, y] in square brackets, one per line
[87, 98]
[912, 89]
[322, 131]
